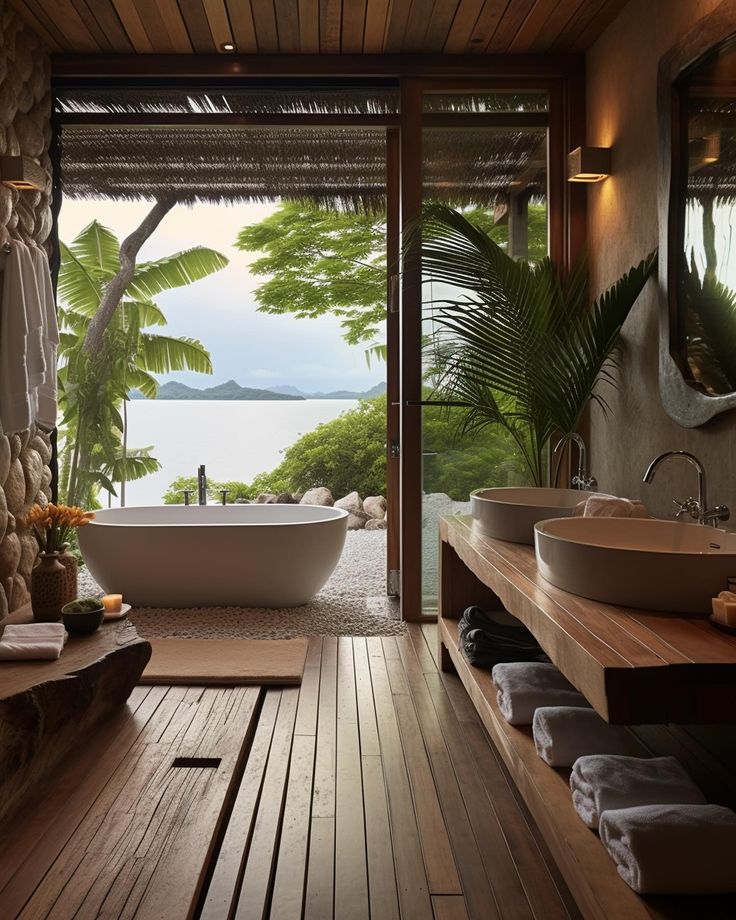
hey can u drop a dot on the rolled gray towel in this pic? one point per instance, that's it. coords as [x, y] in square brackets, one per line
[600, 782]
[564, 733]
[523, 686]
[672, 849]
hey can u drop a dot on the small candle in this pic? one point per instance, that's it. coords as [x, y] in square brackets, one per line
[112, 603]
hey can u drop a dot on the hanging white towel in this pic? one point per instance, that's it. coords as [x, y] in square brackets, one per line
[602, 505]
[564, 733]
[24, 641]
[600, 782]
[673, 849]
[522, 686]
[15, 403]
[35, 321]
[47, 390]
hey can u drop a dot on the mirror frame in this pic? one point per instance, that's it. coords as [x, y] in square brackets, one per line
[683, 402]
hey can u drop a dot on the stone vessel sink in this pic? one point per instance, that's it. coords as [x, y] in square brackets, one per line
[511, 513]
[637, 562]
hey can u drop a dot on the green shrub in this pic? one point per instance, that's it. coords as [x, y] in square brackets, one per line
[349, 454]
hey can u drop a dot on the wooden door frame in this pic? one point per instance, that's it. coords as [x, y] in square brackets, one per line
[566, 209]
[562, 76]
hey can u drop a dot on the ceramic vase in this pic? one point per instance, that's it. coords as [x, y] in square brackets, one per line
[49, 582]
[71, 591]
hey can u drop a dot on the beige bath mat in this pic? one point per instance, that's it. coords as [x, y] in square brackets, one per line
[225, 661]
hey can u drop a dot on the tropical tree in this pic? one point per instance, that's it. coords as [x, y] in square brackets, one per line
[94, 385]
[317, 261]
[513, 343]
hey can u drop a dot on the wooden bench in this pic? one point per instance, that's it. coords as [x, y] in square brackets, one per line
[635, 667]
[47, 708]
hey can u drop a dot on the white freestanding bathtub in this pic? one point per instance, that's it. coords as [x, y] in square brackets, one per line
[211, 556]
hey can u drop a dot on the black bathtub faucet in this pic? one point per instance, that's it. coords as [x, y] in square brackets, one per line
[201, 485]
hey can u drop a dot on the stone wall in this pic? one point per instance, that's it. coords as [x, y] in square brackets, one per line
[25, 128]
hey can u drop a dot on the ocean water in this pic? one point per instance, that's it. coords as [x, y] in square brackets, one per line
[234, 439]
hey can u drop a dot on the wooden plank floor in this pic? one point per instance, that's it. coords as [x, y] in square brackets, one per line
[370, 793]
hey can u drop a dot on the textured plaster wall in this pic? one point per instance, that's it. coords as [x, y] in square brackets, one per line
[622, 228]
[25, 107]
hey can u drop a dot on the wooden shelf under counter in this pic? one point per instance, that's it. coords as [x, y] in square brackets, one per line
[634, 666]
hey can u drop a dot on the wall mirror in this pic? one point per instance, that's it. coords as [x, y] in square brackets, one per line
[697, 108]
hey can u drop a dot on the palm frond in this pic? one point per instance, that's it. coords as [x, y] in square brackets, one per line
[178, 270]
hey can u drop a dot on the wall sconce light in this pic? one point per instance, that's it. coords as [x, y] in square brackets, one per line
[21, 173]
[588, 164]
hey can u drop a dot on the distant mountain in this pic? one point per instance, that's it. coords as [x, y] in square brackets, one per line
[286, 389]
[230, 390]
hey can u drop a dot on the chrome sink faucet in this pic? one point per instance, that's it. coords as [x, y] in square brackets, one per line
[201, 486]
[580, 480]
[697, 508]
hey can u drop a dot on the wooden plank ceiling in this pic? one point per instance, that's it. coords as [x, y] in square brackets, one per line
[319, 26]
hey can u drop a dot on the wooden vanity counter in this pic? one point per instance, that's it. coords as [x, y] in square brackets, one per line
[634, 666]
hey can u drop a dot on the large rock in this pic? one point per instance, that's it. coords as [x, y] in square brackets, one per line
[32, 465]
[350, 502]
[10, 551]
[15, 488]
[318, 496]
[357, 520]
[266, 498]
[285, 498]
[4, 458]
[375, 505]
[375, 524]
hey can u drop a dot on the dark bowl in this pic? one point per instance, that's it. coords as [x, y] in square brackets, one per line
[84, 622]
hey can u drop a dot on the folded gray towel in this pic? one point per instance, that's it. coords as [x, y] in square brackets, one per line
[600, 782]
[523, 686]
[672, 849]
[564, 733]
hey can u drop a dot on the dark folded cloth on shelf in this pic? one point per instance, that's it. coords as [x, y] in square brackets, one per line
[492, 637]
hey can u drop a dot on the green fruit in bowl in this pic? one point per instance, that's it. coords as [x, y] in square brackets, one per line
[82, 605]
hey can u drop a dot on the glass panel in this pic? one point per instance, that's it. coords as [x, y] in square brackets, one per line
[497, 179]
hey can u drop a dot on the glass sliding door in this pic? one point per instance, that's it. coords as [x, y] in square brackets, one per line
[484, 155]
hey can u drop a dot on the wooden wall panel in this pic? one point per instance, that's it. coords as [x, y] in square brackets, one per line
[318, 26]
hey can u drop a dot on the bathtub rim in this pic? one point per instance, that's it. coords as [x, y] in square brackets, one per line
[338, 515]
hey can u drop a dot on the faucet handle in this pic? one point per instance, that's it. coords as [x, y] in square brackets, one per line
[224, 494]
[186, 493]
[690, 506]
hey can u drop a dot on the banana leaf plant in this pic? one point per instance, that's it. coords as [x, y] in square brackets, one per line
[514, 343]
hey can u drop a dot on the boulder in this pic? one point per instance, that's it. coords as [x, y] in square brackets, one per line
[41, 444]
[357, 520]
[10, 550]
[241, 501]
[375, 524]
[4, 458]
[266, 498]
[318, 496]
[15, 488]
[285, 498]
[350, 502]
[375, 505]
[32, 465]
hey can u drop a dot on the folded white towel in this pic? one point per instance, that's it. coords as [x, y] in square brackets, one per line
[600, 782]
[564, 733]
[32, 640]
[672, 849]
[523, 686]
[603, 505]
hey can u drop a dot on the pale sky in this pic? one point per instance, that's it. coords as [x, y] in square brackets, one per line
[253, 348]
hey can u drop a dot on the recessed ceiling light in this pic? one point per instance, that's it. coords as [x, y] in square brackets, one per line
[228, 47]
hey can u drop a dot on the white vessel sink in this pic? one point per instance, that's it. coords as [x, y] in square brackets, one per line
[511, 513]
[637, 562]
